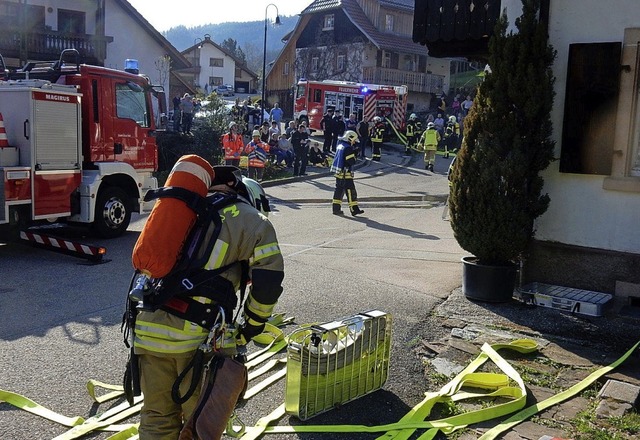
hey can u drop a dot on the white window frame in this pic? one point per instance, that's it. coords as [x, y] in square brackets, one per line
[625, 167]
[388, 22]
[340, 62]
[216, 62]
[315, 61]
[285, 70]
[328, 22]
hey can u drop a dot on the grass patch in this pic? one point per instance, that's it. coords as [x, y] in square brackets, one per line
[588, 427]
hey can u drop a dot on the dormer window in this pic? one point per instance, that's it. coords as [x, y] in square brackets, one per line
[328, 22]
[388, 23]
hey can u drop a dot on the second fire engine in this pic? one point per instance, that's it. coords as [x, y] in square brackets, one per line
[312, 98]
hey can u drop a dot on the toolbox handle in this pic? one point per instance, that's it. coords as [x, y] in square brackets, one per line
[24, 128]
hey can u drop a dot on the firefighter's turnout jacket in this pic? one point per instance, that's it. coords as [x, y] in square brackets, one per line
[377, 132]
[246, 235]
[452, 128]
[233, 145]
[411, 128]
[343, 161]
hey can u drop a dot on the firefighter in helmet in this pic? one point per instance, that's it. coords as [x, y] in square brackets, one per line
[412, 133]
[167, 340]
[377, 136]
[342, 167]
[451, 135]
[429, 144]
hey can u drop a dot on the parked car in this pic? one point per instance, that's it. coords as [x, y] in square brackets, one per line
[225, 90]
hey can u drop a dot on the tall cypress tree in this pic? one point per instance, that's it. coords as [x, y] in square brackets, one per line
[496, 189]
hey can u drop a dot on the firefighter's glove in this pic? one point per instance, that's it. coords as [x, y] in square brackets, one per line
[249, 329]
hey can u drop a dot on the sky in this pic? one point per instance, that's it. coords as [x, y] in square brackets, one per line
[165, 14]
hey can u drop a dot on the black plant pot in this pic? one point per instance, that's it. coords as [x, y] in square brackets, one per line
[488, 283]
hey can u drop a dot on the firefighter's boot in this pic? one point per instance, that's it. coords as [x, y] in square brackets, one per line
[356, 211]
[337, 210]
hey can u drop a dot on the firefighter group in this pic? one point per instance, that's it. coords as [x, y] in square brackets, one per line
[292, 147]
[443, 130]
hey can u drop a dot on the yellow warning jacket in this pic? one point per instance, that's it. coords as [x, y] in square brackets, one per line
[429, 139]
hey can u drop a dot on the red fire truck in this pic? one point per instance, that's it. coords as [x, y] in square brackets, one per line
[79, 145]
[312, 98]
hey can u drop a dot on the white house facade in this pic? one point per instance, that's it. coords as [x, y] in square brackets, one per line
[213, 65]
[105, 32]
[592, 227]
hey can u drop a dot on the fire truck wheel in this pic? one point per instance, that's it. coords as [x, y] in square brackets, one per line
[113, 212]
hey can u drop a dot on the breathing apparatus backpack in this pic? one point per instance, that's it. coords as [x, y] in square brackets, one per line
[188, 278]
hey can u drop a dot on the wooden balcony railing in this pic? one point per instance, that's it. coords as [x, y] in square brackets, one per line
[47, 45]
[416, 82]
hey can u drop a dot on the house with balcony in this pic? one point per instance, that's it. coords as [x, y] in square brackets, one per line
[212, 65]
[366, 41]
[104, 32]
[589, 238]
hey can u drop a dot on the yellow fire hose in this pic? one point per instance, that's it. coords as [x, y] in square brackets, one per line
[451, 392]
[495, 384]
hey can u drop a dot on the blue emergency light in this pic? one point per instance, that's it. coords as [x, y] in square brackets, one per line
[364, 89]
[131, 66]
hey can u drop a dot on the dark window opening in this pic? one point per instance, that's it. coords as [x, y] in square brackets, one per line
[72, 22]
[590, 106]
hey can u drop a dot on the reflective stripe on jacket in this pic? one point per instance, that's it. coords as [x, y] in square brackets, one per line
[377, 133]
[343, 161]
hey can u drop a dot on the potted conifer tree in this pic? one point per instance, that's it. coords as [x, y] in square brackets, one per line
[496, 187]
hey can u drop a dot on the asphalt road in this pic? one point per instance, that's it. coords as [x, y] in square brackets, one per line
[61, 317]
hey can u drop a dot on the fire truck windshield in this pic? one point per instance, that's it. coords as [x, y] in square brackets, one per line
[300, 91]
[131, 103]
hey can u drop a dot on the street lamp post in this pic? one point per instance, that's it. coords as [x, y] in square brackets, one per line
[196, 60]
[264, 58]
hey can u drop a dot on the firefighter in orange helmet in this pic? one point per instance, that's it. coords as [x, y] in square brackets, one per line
[258, 153]
[233, 145]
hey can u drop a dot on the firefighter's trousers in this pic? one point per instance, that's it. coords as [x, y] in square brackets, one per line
[430, 155]
[161, 418]
[411, 142]
[377, 150]
[348, 187]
